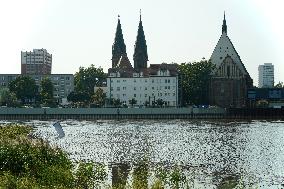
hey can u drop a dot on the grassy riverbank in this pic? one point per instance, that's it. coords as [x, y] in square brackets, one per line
[26, 162]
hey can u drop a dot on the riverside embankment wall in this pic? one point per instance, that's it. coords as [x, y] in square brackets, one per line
[139, 113]
[110, 113]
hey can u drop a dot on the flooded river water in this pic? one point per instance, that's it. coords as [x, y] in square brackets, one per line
[210, 152]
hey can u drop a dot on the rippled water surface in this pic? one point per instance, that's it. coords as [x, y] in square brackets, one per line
[211, 151]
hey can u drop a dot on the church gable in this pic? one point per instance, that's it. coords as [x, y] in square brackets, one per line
[229, 69]
[223, 49]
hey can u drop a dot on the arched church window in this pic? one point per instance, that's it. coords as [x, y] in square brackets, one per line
[228, 71]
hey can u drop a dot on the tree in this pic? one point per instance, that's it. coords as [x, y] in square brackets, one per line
[78, 97]
[99, 97]
[46, 93]
[160, 102]
[279, 85]
[195, 79]
[25, 88]
[116, 102]
[87, 78]
[132, 101]
[8, 98]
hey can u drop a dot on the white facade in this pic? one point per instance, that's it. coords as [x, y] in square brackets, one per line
[143, 89]
[266, 75]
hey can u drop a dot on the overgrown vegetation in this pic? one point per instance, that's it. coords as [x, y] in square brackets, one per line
[33, 163]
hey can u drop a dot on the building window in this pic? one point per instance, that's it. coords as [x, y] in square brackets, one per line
[146, 95]
[124, 88]
[165, 87]
[118, 88]
[111, 88]
[134, 88]
[166, 80]
[134, 95]
[153, 80]
[145, 80]
[118, 81]
[134, 80]
[169, 81]
[145, 88]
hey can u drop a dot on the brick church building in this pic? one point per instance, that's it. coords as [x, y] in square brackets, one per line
[229, 80]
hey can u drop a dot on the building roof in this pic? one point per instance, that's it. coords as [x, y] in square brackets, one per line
[226, 48]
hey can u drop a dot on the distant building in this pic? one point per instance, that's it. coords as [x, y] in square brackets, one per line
[158, 83]
[63, 83]
[266, 76]
[37, 62]
[230, 79]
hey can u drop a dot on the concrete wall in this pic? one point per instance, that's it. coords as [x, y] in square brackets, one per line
[108, 111]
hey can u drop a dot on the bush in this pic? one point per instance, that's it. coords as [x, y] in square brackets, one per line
[33, 163]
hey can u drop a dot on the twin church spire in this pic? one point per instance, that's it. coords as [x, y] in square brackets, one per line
[140, 56]
[118, 47]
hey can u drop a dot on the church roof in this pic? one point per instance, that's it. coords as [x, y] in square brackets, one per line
[124, 62]
[140, 56]
[226, 48]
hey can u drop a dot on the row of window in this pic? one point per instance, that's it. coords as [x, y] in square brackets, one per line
[145, 88]
[146, 80]
[146, 95]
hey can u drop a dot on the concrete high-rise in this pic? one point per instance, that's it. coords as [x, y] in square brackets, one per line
[37, 62]
[266, 75]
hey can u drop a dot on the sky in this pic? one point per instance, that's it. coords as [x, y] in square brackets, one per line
[81, 32]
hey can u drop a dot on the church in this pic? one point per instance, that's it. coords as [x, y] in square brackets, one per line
[156, 85]
[230, 80]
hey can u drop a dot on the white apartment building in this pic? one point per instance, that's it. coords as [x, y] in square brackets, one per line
[144, 89]
[266, 75]
[39, 61]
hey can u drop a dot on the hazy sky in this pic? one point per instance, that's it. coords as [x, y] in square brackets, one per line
[81, 32]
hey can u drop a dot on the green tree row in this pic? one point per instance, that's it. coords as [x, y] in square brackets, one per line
[23, 90]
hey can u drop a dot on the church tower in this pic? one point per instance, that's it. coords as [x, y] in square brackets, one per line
[118, 47]
[230, 80]
[140, 49]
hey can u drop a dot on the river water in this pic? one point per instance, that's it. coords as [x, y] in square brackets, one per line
[251, 152]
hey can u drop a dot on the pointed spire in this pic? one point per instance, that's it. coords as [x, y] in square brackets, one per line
[140, 49]
[118, 47]
[224, 26]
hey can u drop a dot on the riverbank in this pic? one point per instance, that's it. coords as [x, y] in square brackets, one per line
[139, 113]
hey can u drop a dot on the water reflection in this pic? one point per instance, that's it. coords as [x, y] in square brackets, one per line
[212, 154]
